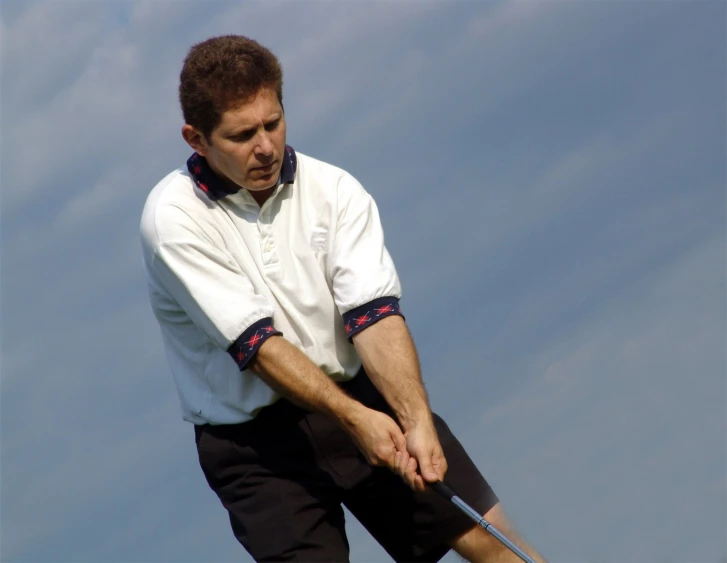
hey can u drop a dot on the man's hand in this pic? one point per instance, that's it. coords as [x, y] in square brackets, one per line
[425, 452]
[389, 357]
[376, 435]
[381, 441]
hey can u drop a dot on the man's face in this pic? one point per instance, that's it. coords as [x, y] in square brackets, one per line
[247, 146]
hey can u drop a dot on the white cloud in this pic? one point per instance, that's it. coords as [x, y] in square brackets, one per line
[45, 47]
[602, 443]
[500, 116]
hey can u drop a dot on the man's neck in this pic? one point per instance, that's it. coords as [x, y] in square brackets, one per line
[261, 196]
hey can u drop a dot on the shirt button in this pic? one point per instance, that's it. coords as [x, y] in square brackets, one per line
[267, 247]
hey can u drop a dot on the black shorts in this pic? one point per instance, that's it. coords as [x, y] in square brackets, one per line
[283, 476]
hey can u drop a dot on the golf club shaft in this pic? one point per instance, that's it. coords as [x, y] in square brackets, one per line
[448, 493]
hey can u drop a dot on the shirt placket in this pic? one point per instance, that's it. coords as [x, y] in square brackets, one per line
[267, 241]
[260, 220]
[265, 233]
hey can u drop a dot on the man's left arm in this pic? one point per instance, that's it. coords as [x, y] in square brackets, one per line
[366, 290]
[390, 359]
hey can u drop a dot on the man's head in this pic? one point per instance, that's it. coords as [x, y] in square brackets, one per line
[231, 93]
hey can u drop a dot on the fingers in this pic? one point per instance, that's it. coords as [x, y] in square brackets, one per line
[417, 457]
[412, 477]
[380, 439]
[427, 467]
[418, 483]
[423, 445]
[401, 456]
[406, 468]
[439, 463]
[397, 437]
[404, 464]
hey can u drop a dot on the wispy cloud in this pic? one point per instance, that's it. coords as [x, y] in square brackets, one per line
[552, 186]
[602, 420]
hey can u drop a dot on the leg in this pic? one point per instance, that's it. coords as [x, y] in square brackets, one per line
[420, 526]
[281, 506]
[478, 545]
[423, 527]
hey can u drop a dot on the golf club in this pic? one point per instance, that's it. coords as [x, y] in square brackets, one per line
[448, 493]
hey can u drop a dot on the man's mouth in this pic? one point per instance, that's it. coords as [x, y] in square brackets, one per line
[265, 169]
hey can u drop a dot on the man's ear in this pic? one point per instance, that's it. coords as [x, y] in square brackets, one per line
[195, 139]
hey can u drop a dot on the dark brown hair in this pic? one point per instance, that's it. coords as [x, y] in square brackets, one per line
[222, 73]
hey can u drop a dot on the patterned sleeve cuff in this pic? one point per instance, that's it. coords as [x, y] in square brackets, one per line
[364, 316]
[245, 347]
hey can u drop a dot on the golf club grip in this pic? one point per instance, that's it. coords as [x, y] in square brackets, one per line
[443, 489]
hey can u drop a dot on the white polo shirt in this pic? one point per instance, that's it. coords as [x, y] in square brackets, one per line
[224, 274]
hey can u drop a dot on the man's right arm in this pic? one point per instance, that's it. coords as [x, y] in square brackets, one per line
[291, 373]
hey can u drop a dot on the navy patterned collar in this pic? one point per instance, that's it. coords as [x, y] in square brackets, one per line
[210, 183]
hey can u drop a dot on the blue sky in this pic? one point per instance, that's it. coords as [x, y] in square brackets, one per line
[551, 178]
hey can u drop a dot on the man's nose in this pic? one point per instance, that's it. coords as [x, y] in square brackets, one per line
[265, 146]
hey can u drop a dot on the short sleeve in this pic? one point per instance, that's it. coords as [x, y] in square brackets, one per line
[361, 268]
[209, 285]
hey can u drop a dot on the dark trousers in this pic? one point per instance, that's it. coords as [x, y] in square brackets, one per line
[284, 475]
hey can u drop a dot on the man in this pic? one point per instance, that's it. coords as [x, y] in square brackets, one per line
[279, 310]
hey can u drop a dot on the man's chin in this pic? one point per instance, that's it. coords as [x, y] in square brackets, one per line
[263, 183]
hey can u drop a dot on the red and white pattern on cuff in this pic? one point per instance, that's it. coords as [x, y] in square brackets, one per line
[364, 316]
[249, 342]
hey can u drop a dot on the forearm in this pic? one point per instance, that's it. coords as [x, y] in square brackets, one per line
[390, 359]
[291, 373]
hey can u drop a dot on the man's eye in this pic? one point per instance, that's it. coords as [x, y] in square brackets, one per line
[244, 136]
[272, 126]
